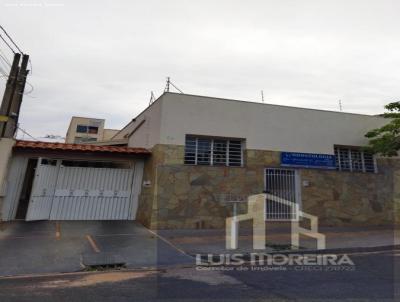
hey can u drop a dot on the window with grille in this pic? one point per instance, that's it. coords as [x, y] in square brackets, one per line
[354, 160]
[213, 152]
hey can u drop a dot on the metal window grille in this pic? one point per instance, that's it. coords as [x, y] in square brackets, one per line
[213, 152]
[235, 153]
[219, 152]
[283, 198]
[203, 152]
[190, 150]
[354, 160]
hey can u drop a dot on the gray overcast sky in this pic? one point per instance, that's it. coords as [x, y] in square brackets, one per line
[102, 58]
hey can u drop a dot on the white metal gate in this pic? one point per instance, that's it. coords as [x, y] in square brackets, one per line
[82, 193]
[42, 190]
[283, 188]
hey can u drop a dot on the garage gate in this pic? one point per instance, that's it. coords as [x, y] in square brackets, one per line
[64, 192]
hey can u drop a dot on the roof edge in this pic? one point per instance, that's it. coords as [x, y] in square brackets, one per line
[38, 145]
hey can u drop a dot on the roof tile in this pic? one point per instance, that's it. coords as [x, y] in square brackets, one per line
[21, 144]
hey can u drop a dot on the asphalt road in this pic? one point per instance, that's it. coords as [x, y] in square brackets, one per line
[373, 278]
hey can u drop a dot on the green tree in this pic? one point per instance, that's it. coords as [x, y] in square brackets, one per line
[386, 140]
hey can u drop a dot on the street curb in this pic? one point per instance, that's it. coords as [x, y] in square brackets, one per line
[160, 268]
[350, 250]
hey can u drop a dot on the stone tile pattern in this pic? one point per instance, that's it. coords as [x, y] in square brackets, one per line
[185, 196]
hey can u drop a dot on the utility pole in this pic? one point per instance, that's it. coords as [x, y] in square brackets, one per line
[13, 113]
[9, 94]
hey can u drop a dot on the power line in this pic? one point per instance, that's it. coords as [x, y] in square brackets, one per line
[12, 41]
[15, 44]
[30, 91]
[4, 57]
[4, 63]
[25, 132]
[176, 87]
[7, 44]
[3, 73]
[4, 67]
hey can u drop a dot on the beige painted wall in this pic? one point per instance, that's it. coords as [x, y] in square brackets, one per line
[75, 121]
[102, 134]
[264, 126]
[145, 130]
[109, 133]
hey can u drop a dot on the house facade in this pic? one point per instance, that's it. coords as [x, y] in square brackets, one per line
[190, 161]
[210, 152]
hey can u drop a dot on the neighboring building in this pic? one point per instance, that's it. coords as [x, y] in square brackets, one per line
[205, 149]
[88, 130]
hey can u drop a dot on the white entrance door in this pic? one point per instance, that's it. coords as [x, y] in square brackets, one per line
[43, 189]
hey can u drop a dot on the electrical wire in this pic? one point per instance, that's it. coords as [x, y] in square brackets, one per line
[1, 37]
[3, 63]
[4, 54]
[30, 91]
[3, 73]
[30, 64]
[4, 57]
[12, 41]
[175, 87]
[25, 132]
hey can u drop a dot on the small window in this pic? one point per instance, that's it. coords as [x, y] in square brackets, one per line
[81, 129]
[354, 160]
[93, 130]
[213, 152]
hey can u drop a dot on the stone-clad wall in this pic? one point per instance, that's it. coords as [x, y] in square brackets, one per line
[184, 196]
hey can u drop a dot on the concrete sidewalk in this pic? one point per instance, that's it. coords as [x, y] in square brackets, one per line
[48, 247]
[278, 238]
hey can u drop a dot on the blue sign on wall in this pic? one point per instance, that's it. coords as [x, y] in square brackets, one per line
[308, 160]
